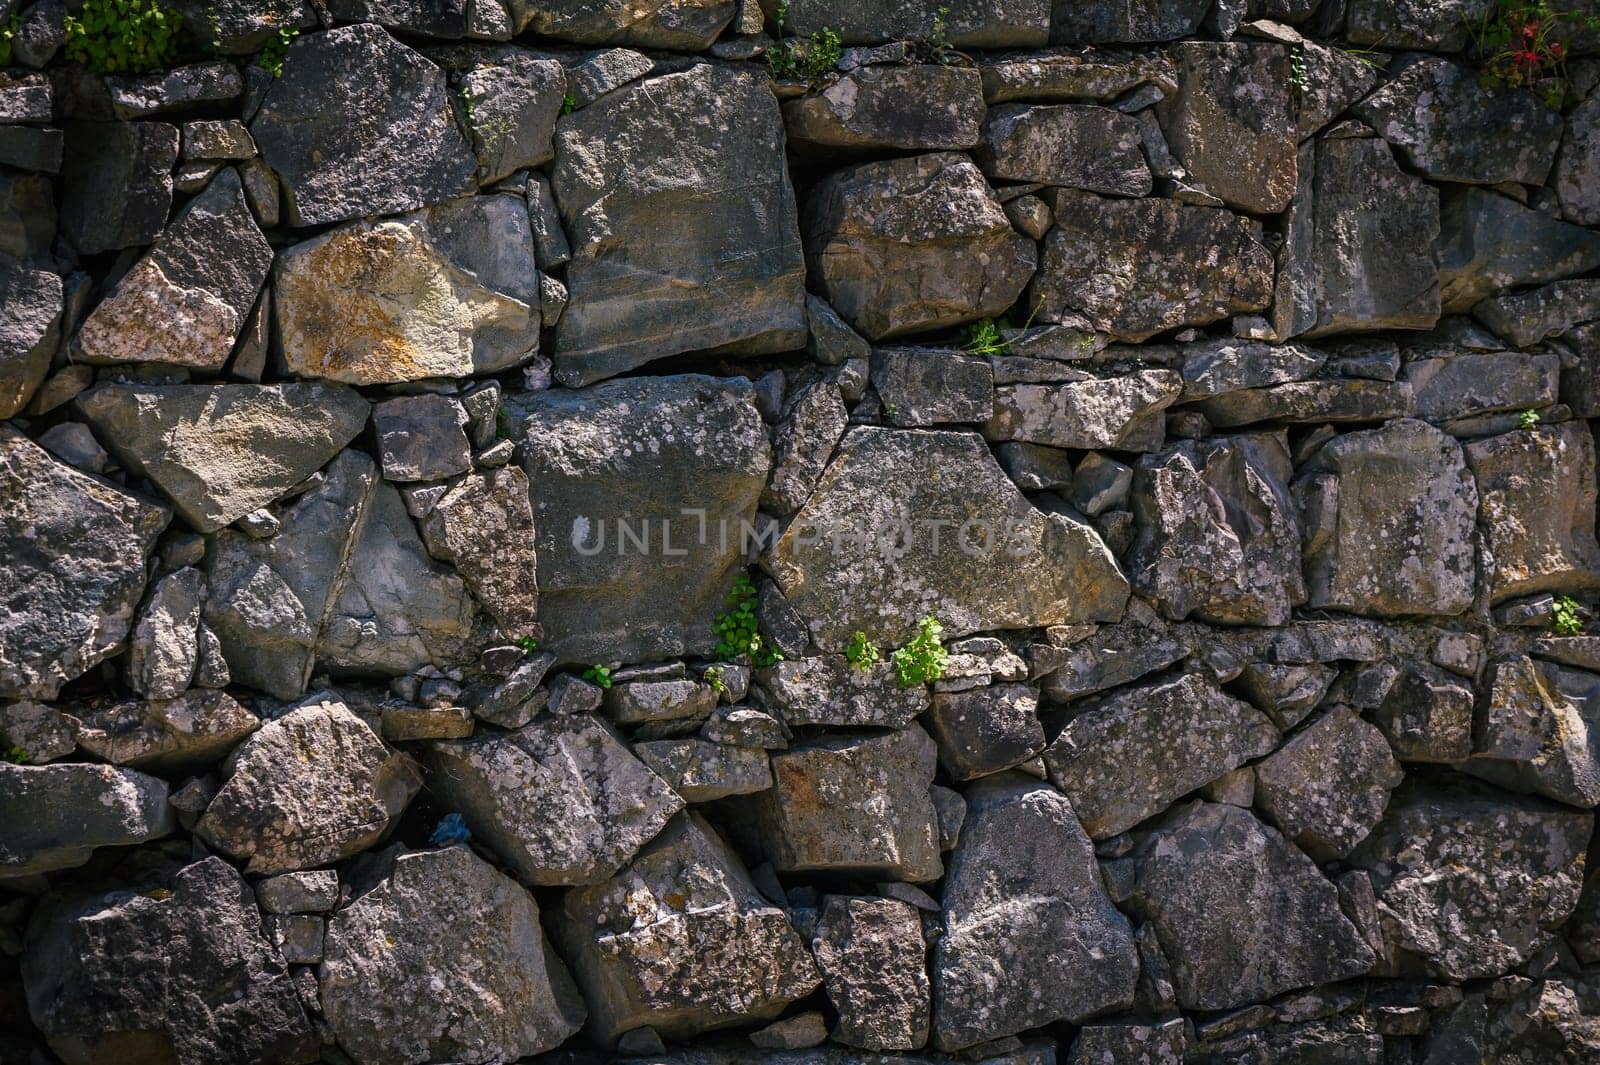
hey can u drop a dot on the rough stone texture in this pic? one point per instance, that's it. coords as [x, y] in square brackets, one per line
[1578, 164]
[484, 525]
[681, 941]
[310, 787]
[1525, 318]
[185, 302]
[179, 972]
[1450, 129]
[703, 772]
[829, 690]
[1475, 383]
[815, 818]
[1134, 268]
[163, 650]
[891, 266]
[1241, 914]
[30, 301]
[683, 234]
[1121, 413]
[394, 146]
[1427, 715]
[440, 958]
[1043, 945]
[59, 814]
[1537, 489]
[1077, 146]
[421, 438]
[515, 104]
[985, 730]
[815, 420]
[1530, 737]
[402, 299]
[870, 951]
[1468, 884]
[1231, 123]
[1328, 785]
[1124, 23]
[687, 25]
[1058, 570]
[562, 800]
[1130, 755]
[1389, 518]
[1218, 536]
[910, 108]
[72, 568]
[166, 736]
[222, 451]
[968, 23]
[1415, 23]
[1489, 243]
[599, 465]
[116, 183]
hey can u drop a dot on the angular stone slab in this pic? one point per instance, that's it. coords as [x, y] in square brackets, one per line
[1489, 243]
[921, 107]
[30, 310]
[72, 567]
[222, 451]
[1056, 570]
[1328, 785]
[681, 218]
[58, 814]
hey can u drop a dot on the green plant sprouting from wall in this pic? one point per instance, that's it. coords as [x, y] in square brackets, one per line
[807, 59]
[1527, 419]
[15, 755]
[739, 632]
[599, 676]
[1564, 617]
[1524, 44]
[862, 654]
[275, 50]
[924, 658]
[8, 34]
[123, 36]
[715, 677]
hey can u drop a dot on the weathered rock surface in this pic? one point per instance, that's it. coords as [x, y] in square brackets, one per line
[923, 107]
[484, 525]
[59, 814]
[1134, 268]
[1122, 413]
[628, 456]
[968, 23]
[1064, 74]
[985, 730]
[1231, 123]
[1530, 737]
[1537, 488]
[73, 550]
[1057, 570]
[892, 266]
[1240, 913]
[1470, 884]
[515, 103]
[1415, 23]
[1218, 535]
[222, 451]
[1523, 319]
[1489, 243]
[1125, 23]
[394, 146]
[1328, 785]
[704, 772]
[561, 800]
[828, 690]
[441, 958]
[166, 736]
[163, 650]
[1578, 164]
[1077, 146]
[1389, 518]
[1473, 383]
[1427, 715]
[402, 299]
[682, 25]
[30, 303]
[310, 787]
[116, 183]
[1043, 945]
[179, 972]
[681, 941]
[1450, 128]
[870, 951]
[1130, 755]
[814, 421]
[683, 235]
[186, 301]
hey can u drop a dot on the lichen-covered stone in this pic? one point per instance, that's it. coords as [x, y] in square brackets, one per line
[484, 526]
[1134, 268]
[72, 567]
[1537, 489]
[1121, 413]
[59, 814]
[1578, 166]
[704, 772]
[683, 235]
[985, 730]
[1240, 913]
[1127, 757]
[1328, 785]
[1124, 23]
[1489, 243]
[1218, 536]
[681, 940]
[1057, 570]
[870, 951]
[854, 805]
[829, 690]
[439, 957]
[561, 800]
[891, 265]
[167, 736]
[1389, 518]
[1471, 884]
[310, 787]
[178, 971]
[392, 146]
[921, 107]
[1043, 944]
[1531, 737]
[680, 25]
[1076, 146]
[222, 451]
[1472, 383]
[628, 457]
[30, 309]
[967, 23]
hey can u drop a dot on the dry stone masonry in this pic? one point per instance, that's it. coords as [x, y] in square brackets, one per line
[732, 532]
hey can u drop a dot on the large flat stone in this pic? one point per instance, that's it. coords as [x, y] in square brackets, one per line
[921, 107]
[1489, 243]
[59, 814]
[30, 331]
[681, 219]
[679, 25]
[968, 23]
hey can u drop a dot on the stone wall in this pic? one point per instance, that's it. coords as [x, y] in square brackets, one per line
[456, 455]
